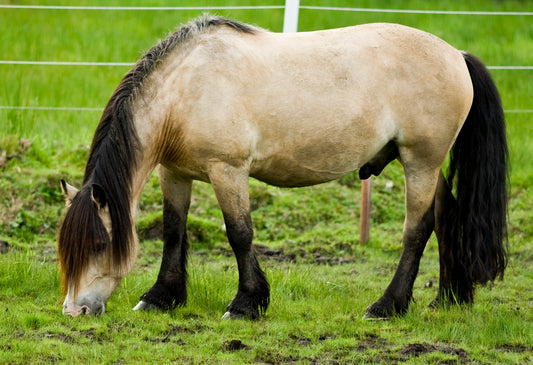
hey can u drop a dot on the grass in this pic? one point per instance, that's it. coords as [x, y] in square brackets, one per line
[317, 302]
[314, 315]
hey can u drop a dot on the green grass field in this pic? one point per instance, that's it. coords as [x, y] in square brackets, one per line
[321, 277]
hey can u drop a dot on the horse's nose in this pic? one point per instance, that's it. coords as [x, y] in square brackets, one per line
[74, 310]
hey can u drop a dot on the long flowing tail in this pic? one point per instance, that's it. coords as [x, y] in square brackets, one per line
[479, 174]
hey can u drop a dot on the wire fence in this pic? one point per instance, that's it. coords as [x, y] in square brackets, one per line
[142, 8]
[264, 7]
[291, 9]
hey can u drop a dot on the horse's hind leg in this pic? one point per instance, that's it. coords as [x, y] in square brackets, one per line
[453, 286]
[420, 185]
[170, 289]
[231, 188]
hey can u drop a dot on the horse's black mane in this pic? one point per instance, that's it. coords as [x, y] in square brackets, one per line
[116, 122]
[114, 156]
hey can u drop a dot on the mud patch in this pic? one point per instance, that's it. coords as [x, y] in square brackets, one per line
[301, 340]
[319, 259]
[16, 150]
[59, 336]
[92, 335]
[4, 247]
[514, 348]
[199, 233]
[418, 349]
[234, 345]
[267, 253]
[388, 353]
[372, 341]
[172, 335]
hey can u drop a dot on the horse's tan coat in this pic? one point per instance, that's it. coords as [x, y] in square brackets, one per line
[296, 110]
[306, 108]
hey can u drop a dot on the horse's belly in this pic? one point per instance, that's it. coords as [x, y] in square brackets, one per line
[296, 177]
[291, 171]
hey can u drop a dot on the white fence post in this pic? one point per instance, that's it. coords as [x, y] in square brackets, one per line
[290, 20]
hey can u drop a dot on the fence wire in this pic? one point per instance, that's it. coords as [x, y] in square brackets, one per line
[208, 8]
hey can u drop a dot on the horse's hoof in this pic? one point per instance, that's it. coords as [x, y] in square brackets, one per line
[376, 312]
[142, 305]
[369, 316]
[229, 315]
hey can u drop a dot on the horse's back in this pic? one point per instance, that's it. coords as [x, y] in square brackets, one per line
[310, 107]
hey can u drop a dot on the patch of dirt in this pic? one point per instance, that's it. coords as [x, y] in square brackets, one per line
[91, 335]
[4, 247]
[267, 253]
[233, 345]
[59, 336]
[19, 149]
[514, 348]
[154, 232]
[389, 355]
[417, 349]
[372, 341]
[319, 259]
[302, 340]
[264, 253]
[172, 334]
[326, 336]
[273, 358]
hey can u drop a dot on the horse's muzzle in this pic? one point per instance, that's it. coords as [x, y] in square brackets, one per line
[74, 310]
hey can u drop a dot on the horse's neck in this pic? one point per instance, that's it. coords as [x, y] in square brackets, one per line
[150, 116]
[146, 162]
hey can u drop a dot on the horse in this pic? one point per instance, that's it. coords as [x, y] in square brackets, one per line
[221, 101]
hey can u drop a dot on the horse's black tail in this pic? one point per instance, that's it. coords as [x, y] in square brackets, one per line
[479, 173]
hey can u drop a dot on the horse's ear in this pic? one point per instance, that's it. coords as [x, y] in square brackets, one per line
[99, 196]
[69, 191]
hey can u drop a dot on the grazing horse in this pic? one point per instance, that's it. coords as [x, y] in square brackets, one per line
[221, 101]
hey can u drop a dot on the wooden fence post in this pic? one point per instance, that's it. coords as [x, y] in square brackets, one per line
[364, 219]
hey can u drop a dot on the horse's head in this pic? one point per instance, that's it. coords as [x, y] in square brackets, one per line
[91, 268]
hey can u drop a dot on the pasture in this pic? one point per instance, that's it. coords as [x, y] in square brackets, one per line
[322, 278]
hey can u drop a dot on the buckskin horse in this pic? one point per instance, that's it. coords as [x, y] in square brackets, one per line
[221, 101]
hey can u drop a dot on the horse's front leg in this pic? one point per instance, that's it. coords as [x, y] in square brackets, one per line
[419, 223]
[170, 289]
[231, 188]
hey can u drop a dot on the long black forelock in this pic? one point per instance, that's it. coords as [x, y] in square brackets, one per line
[81, 236]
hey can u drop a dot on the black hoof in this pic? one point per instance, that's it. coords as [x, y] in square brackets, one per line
[386, 307]
[161, 299]
[247, 306]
